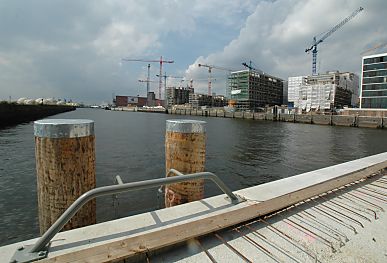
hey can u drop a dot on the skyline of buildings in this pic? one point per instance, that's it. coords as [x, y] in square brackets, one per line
[253, 89]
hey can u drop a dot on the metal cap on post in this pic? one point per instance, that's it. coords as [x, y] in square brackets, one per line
[185, 151]
[65, 166]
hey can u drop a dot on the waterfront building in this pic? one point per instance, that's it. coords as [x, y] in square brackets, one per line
[178, 96]
[294, 88]
[285, 92]
[324, 92]
[219, 100]
[137, 101]
[197, 100]
[374, 82]
[253, 89]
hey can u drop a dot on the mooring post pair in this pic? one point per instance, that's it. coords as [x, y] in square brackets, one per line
[65, 164]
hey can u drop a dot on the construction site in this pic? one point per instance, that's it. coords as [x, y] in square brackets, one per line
[252, 89]
[323, 92]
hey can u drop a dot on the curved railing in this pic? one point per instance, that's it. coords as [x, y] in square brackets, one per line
[42, 243]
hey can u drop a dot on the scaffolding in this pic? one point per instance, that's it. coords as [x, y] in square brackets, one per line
[324, 92]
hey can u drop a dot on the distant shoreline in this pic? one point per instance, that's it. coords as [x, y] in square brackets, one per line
[13, 114]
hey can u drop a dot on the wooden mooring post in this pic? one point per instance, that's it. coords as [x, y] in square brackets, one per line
[185, 151]
[65, 167]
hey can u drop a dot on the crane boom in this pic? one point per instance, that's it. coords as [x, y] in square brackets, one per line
[165, 76]
[161, 61]
[210, 67]
[315, 42]
[251, 67]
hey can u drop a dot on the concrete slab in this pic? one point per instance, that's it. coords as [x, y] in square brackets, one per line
[259, 116]
[229, 115]
[369, 122]
[321, 119]
[303, 118]
[248, 115]
[238, 115]
[341, 120]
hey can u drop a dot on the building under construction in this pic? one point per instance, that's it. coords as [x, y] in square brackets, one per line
[324, 92]
[252, 89]
[197, 100]
[178, 96]
[137, 101]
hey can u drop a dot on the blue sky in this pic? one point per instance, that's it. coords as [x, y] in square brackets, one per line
[73, 49]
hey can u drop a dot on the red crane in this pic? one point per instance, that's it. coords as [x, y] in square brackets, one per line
[210, 67]
[161, 61]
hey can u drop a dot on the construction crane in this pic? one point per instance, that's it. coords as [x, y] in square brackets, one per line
[147, 80]
[210, 67]
[192, 80]
[250, 67]
[161, 61]
[316, 42]
[372, 49]
[165, 76]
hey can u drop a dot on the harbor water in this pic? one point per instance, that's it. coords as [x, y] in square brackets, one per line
[242, 153]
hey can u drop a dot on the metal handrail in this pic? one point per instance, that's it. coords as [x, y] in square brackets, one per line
[44, 240]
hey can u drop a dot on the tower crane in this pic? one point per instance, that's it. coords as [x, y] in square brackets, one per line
[147, 81]
[161, 61]
[165, 76]
[250, 67]
[316, 42]
[210, 67]
[192, 80]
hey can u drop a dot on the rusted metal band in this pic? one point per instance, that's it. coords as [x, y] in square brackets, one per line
[63, 128]
[186, 126]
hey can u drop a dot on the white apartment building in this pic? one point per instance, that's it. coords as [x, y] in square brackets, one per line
[324, 92]
[294, 88]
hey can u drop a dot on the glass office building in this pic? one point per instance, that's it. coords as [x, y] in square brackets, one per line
[374, 82]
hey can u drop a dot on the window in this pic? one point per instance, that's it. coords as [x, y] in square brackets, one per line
[375, 66]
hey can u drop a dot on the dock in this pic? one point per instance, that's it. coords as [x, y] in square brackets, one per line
[318, 119]
[334, 214]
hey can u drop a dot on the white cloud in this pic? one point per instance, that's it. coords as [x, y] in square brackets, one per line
[74, 48]
[123, 38]
[276, 34]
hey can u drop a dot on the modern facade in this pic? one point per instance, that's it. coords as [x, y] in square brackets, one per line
[251, 90]
[374, 82]
[324, 92]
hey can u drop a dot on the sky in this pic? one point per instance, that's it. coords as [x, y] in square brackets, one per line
[73, 49]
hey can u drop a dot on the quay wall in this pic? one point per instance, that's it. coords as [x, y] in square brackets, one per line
[335, 120]
[13, 114]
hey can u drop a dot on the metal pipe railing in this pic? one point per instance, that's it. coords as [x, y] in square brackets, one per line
[43, 241]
